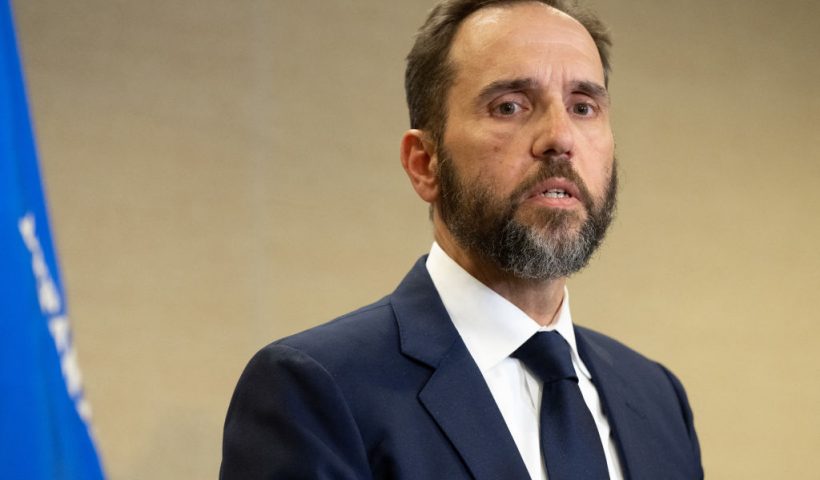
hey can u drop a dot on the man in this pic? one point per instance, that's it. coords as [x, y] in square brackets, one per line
[446, 377]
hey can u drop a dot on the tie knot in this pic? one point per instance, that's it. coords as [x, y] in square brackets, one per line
[547, 355]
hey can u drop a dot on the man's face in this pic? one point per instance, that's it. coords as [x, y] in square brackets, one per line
[526, 162]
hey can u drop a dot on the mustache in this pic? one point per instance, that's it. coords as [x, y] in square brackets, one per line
[553, 168]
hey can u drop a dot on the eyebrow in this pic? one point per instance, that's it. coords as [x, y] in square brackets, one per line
[592, 89]
[586, 87]
[501, 86]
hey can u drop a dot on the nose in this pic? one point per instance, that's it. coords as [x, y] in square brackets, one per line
[555, 135]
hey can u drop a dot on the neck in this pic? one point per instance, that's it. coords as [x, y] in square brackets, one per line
[539, 299]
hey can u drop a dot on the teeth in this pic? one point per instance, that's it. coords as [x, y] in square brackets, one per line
[555, 193]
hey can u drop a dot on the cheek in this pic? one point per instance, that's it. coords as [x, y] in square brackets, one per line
[600, 139]
[600, 161]
[495, 156]
[599, 175]
[483, 155]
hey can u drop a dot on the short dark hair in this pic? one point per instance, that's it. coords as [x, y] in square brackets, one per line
[430, 74]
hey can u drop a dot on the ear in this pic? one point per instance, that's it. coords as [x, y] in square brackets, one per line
[419, 159]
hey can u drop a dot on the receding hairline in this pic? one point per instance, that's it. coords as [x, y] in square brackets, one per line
[509, 5]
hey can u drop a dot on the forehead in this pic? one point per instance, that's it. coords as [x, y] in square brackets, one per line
[525, 39]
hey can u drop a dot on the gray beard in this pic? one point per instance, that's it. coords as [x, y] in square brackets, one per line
[547, 250]
[526, 253]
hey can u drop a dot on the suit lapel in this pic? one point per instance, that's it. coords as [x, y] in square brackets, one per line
[456, 395]
[630, 428]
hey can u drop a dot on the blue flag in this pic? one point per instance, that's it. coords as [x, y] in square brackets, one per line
[44, 431]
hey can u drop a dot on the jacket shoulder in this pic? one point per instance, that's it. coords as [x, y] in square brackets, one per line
[348, 336]
[616, 353]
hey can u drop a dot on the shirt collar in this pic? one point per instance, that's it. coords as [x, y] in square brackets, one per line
[492, 328]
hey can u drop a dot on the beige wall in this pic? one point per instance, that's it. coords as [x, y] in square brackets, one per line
[223, 172]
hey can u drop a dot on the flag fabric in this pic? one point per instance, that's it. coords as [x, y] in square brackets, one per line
[44, 429]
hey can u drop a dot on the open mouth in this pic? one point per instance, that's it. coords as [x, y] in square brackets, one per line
[557, 188]
[556, 193]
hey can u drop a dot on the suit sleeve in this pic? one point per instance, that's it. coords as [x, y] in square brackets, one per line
[289, 420]
[686, 412]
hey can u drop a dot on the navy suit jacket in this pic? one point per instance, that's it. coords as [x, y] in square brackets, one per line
[391, 392]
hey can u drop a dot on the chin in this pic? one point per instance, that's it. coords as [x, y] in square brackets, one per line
[555, 221]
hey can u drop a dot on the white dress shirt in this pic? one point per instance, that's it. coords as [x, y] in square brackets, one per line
[492, 328]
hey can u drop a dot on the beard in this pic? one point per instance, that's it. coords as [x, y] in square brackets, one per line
[550, 245]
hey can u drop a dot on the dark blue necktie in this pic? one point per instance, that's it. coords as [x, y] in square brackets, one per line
[570, 443]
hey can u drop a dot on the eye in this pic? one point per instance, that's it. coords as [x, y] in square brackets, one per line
[583, 109]
[506, 109]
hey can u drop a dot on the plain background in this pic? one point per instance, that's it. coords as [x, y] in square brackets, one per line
[222, 173]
